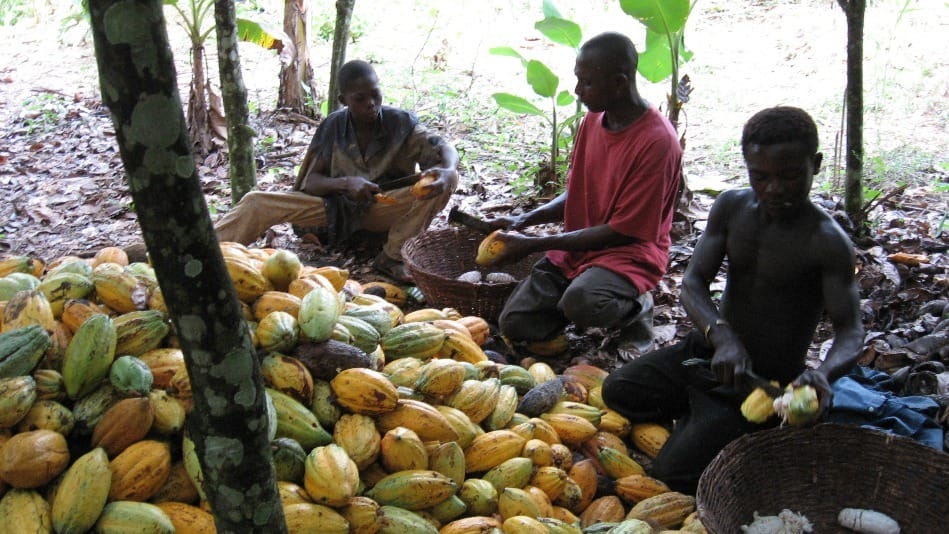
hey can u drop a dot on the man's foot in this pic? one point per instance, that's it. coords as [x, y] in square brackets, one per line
[636, 337]
[392, 268]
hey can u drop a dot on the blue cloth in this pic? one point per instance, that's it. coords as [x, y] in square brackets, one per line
[865, 397]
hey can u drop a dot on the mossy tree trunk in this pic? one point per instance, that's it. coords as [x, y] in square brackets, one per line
[228, 423]
[296, 77]
[855, 11]
[240, 136]
[344, 16]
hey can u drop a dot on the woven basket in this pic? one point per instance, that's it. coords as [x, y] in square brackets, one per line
[819, 470]
[436, 258]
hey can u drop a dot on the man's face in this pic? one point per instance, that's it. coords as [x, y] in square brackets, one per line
[595, 85]
[364, 99]
[781, 176]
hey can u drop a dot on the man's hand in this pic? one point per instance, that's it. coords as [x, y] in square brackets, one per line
[445, 180]
[818, 381]
[515, 247]
[359, 188]
[730, 359]
[507, 222]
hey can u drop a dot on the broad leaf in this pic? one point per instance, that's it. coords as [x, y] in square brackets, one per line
[560, 31]
[506, 51]
[655, 62]
[516, 104]
[542, 79]
[261, 34]
[565, 98]
[550, 10]
[663, 16]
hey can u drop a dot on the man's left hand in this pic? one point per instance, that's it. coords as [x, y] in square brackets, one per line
[445, 180]
[817, 380]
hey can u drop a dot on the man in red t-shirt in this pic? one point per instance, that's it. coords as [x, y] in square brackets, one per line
[616, 211]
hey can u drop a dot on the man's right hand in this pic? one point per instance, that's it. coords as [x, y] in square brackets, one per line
[516, 246]
[507, 222]
[730, 359]
[359, 188]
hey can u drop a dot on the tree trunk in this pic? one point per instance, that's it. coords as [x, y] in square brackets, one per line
[296, 78]
[344, 15]
[198, 103]
[853, 190]
[240, 136]
[228, 421]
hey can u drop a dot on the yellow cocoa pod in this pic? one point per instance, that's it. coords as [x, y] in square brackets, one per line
[139, 471]
[572, 429]
[311, 518]
[188, 519]
[649, 437]
[402, 450]
[490, 248]
[281, 268]
[420, 417]
[758, 406]
[492, 448]
[82, 493]
[516, 501]
[330, 476]
[31, 459]
[271, 301]
[363, 515]
[357, 434]
[365, 391]
[666, 510]
[25, 510]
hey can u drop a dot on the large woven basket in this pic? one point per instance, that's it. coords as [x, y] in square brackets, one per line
[436, 258]
[819, 470]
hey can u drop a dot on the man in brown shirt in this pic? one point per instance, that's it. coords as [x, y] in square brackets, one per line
[356, 153]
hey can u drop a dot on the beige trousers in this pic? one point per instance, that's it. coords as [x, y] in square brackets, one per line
[259, 210]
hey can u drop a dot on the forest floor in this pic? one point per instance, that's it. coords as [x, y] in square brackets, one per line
[64, 192]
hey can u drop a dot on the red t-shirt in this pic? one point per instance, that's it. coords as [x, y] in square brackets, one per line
[627, 179]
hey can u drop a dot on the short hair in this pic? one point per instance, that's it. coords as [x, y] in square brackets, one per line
[352, 71]
[615, 50]
[780, 124]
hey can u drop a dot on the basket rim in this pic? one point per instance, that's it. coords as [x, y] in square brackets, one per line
[736, 479]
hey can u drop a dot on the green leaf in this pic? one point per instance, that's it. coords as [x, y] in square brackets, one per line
[542, 79]
[561, 31]
[663, 16]
[549, 9]
[516, 104]
[506, 51]
[262, 34]
[655, 62]
[565, 98]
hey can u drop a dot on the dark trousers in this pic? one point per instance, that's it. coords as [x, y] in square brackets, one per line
[656, 387]
[546, 301]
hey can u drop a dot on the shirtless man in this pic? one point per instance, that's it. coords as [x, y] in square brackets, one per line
[788, 263]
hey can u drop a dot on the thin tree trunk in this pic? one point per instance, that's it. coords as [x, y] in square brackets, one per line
[855, 10]
[240, 136]
[198, 103]
[228, 421]
[296, 77]
[344, 15]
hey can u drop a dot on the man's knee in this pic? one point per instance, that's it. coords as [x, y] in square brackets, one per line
[590, 308]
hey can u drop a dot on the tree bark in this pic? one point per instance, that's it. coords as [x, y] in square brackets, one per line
[296, 78]
[240, 136]
[855, 11]
[228, 422]
[344, 16]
